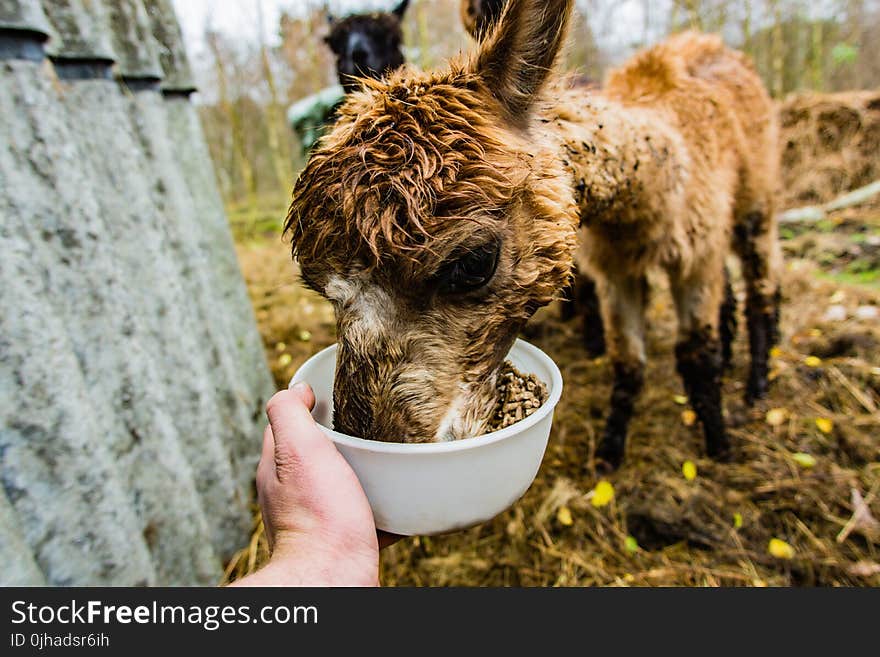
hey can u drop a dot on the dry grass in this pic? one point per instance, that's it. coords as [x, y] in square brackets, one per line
[830, 144]
[685, 532]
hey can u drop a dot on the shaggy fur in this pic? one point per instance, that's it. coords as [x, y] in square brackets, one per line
[425, 170]
[367, 45]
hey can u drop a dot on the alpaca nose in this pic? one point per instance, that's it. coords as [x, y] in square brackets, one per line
[358, 51]
[359, 57]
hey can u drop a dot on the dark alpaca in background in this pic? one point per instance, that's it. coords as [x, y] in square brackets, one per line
[367, 45]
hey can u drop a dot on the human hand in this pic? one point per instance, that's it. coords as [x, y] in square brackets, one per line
[317, 518]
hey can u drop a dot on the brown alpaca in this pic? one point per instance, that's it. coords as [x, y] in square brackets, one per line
[445, 207]
[684, 155]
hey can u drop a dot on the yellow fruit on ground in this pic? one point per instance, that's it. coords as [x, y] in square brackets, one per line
[780, 549]
[776, 416]
[824, 424]
[564, 516]
[602, 494]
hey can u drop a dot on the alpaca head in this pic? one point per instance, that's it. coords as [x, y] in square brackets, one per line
[480, 15]
[437, 217]
[367, 45]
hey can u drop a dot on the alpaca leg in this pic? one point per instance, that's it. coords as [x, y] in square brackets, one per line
[568, 304]
[698, 353]
[582, 299]
[623, 308]
[773, 334]
[728, 324]
[758, 247]
[591, 317]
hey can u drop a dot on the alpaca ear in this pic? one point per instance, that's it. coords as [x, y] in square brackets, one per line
[518, 57]
[400, 10]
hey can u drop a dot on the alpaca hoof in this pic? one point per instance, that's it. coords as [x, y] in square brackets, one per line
[608, 457]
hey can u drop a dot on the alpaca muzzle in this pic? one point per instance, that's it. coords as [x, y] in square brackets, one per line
[377, 397]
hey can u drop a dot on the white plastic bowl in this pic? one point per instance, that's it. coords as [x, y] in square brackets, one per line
[433, 488]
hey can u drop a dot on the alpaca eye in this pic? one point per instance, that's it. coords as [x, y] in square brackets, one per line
[471, 271]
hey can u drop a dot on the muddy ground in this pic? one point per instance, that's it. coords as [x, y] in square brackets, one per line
[815, 486]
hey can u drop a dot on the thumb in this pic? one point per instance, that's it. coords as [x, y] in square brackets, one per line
[296, 435]
[305, 393]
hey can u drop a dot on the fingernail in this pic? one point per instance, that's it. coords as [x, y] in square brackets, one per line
[300, 389]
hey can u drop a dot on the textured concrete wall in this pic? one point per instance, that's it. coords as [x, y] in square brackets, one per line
[80, 29]
[132, 378]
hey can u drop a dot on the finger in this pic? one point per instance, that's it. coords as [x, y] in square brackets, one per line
[297, 437]
[304, 391]
[386, 539]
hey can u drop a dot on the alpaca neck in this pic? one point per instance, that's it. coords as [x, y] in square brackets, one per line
[628, 164]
